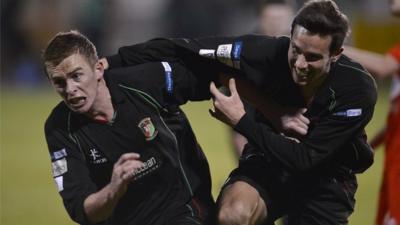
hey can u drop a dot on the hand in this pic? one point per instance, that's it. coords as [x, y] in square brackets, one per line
[295, 124]
[228, 109]
[123, 171]
[100, 205]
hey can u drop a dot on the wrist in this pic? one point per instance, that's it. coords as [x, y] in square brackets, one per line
[114, 193]
[239, 116]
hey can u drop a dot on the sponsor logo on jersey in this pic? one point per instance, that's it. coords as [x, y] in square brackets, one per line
[150, 166]
[168, 77]
[96, 156]
[59, 154]
[349, 113]
[59, 167]
[148, 129]
[207, 53]
[224, 54]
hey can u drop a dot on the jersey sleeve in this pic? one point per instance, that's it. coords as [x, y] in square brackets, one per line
[327, 136]
[151, 51]
[248, 56]
[70, 172]
[166, 82]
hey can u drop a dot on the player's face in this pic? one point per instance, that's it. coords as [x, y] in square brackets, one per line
[309, 56]
[76, 82]
[395, 7]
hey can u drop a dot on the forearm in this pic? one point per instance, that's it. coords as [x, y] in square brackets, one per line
[100, 205]
[294, 156]
[378, 139]
[379, 65]
[312, 153]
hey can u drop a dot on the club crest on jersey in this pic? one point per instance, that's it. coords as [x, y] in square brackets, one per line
[148, 129]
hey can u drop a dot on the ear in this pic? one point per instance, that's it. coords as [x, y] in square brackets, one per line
[99, 69]
[336, 55]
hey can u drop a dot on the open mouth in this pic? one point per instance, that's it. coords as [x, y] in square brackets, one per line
[77, 102]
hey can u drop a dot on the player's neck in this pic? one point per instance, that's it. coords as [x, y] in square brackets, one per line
[312, 88]
[102, 110]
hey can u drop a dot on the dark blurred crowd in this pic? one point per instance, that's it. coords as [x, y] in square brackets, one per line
[26, 26]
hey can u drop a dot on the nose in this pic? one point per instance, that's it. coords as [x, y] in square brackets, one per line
[301, 62]
[70, 87]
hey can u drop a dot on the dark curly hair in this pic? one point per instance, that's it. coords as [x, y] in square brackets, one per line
[323, 17]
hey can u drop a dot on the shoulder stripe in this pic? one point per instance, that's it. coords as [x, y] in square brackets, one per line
[144, 95]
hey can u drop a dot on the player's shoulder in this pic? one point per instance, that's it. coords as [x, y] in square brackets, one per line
[58, 117]
[351, 81]
[349, 72]
[133, 74]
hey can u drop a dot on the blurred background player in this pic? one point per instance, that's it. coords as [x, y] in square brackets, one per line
[274, 16]
[274, 19]
[383, 66]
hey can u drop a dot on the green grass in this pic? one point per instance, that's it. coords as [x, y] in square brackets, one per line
[29, 195]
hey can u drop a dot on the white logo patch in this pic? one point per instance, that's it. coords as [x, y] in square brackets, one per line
[224, 54]
[60, 183]
[349, 113]
[208, 53]
[59, 167]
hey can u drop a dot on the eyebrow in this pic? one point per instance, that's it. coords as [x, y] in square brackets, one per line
[74, 71]
[56, 76]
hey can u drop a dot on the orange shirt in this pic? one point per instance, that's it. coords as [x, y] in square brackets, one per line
[393, 123]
